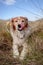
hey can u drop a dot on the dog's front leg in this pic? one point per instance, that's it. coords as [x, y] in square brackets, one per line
[15, 51]
[24, 51]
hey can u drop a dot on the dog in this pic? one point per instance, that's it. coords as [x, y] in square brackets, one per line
[20, 30]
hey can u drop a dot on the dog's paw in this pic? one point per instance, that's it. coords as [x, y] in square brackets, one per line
[16, 55]
[21, 58]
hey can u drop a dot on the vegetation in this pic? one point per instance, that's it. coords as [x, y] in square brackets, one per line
[35, 41]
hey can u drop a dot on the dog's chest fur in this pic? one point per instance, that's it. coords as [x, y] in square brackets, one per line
[18, 40]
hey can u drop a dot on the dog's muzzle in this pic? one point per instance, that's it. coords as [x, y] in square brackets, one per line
[21, 27]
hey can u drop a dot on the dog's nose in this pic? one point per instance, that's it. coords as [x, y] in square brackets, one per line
[19, 26]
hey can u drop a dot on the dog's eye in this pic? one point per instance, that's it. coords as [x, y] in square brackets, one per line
[22, 21]
[16, 21]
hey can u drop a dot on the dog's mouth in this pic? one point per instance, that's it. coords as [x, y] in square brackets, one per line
[20, 27]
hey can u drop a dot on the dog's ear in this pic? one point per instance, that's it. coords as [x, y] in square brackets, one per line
[26, 22]
[12, 23]
[12, 20]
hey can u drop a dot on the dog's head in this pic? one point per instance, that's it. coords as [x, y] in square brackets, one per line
[19, 26]
[19, 23]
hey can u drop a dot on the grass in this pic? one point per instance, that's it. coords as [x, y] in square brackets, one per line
[35, 54]
[35, 57]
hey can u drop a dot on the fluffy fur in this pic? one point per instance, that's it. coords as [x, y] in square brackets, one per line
[19, 30]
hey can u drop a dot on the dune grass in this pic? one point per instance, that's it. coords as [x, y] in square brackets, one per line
[35, 57]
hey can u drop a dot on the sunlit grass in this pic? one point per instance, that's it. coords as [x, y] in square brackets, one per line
[35, 41]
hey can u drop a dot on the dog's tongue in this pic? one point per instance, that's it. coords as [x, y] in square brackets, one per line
[22, 27]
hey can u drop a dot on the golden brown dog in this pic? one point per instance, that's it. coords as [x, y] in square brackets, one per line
[19, 30]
